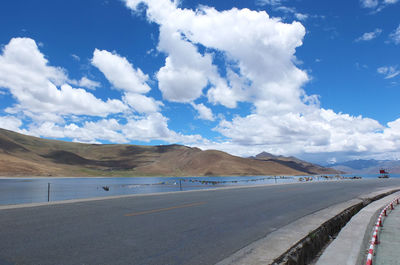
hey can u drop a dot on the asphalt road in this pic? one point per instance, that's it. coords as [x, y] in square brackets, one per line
[181, 228]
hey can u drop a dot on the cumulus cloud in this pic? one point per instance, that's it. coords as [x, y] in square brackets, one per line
[395, 35]
[133, 82]
[33, 83]
[141, 103]
[137, 128]
[389, 71]
[262, 48]
[10, 123]
[49, 106]
[204, 112]
[369, 35]
[120, 72]
[86, 82]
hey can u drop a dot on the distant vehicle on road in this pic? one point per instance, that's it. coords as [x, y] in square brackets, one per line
[383, 174]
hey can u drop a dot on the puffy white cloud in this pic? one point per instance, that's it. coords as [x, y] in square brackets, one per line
[33, 83]
[86, 82]
[120, 72]
[132, 81]
[10, 123]
[154, 126]
[137, 128]
[316, 134]
[262, 48]
[180, 83]
[388, 71]
[50, 107]
[395, 35]
[205, 113]
[141, 103]
[106, 129]
[369, 35]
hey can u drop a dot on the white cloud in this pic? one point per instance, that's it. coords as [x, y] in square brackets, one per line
[76, 57]
[269, 2]
[377, 5]
[137, 128]
[369, 35]
[120, 72]
[141, 103]
[205, 113]
[261, 47]
[277, 5]
[47, 103]
[181, 83]
[86, 82]
[301, 16]
[33, 83]
[390, 1]
[10, 123]
[395, 35]
[388, 71]
[369, 3]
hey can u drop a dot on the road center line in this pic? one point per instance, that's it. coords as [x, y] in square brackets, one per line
[165, 209]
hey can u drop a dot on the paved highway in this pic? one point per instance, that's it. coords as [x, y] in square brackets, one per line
[180, 228]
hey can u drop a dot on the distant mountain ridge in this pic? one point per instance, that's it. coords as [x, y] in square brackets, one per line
[370, 166]
[296, 163]
[23, 155]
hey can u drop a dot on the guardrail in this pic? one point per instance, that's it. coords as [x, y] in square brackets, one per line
[374, 239]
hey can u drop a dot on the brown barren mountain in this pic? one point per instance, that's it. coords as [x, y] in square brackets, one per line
[23, 155]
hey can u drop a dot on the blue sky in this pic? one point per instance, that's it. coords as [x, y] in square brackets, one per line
[315, 79]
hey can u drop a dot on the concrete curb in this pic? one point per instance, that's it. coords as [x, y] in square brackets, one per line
[280, 242]
[351, 244]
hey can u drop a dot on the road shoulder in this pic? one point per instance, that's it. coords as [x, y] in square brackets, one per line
[269, 249]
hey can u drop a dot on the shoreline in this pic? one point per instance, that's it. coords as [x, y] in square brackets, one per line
[36, 204]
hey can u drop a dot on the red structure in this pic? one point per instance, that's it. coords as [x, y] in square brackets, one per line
[384, 174]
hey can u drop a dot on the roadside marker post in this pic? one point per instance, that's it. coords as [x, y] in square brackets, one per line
[374, 239]
[48, 192]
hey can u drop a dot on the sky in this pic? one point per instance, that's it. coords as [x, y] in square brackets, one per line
[319, 80]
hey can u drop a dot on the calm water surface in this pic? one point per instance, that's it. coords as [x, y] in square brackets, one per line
[30, 190]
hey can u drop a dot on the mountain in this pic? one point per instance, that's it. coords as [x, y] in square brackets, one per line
[370, 166]
[296, 164]
[23, 155]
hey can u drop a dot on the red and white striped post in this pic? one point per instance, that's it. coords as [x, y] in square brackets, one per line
[374, 239]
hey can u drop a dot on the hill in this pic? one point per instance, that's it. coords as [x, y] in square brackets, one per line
[370, 166]
[23, 155]
[296, 163]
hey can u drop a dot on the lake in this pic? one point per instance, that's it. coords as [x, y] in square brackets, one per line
[30, 190]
